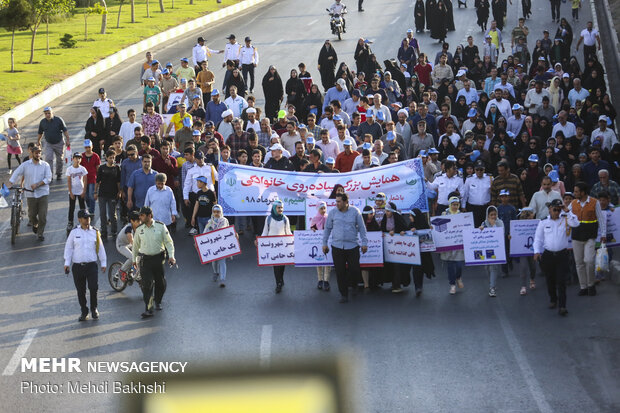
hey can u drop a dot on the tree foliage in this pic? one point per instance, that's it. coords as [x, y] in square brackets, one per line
[14, 15]
[39, 9]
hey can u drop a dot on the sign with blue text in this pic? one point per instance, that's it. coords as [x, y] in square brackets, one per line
[484, 246]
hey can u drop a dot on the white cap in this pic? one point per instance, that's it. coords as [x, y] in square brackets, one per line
[227, 112]
[460, 73]
[276, 147]
[250, 110]
[403, 111]
[602, 118]
[341, 82]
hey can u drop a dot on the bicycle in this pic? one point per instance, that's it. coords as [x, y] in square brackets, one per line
[119, 281]
[17, 210]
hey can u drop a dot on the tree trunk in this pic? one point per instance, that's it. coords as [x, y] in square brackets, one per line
[172, 7]
[148, 11]
[133, 12]
[47, 29]
[85, 26]
[104, 17]
[118, 17]
[191, 1]
[161, 6]
[34, 35]
[12, 51]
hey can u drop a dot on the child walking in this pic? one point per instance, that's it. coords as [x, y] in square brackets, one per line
[454, 259]
[76, 183]
[317, 223]
[12, 144]
[526, 265]
[218, 221]
[506, 213]
[493, 269]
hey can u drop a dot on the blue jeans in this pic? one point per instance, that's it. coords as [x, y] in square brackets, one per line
[90, 197]
[202, 223]
[219, 267]
[107, 206]
[493, 271]
[455, 270]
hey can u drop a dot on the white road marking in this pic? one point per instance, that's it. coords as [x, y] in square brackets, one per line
[277, 41]
[395, 20]
[312, 22]
[265, 345]
[20, 352]
[526, 370]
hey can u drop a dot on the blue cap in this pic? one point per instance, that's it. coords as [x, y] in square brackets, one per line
[47, 109]
[370, 113]
[154, 62]
[432, 151]
[380, 115]
[555, 177]
[337, 117]
[215, 92]
[301, 125]
[183, 80]
[184, 59]
[451, 158]
[187, 122]
[165, 72]
[366, 145]
[330, 161]
[516, 106]
[367, 41]
[196, 97]
[533, 158]
[348, 142]
[202, 179]
[504, 192]
[310, 139]
[196, 132]
[88, 143]
[422, 153]
[150, 79]
[390, 135]
[472, 113]
[168, 64]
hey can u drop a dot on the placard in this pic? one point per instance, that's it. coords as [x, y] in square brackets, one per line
[174, 99]
[484, 246]
[217, 244]
[401, 249]
[448, 230]
[313, 203]
[426, 240]
[276, 250]
[309, 250]
[613, 229]
[522, 232]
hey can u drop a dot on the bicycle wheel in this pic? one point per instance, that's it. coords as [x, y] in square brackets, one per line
[114, 277]
[14, 224]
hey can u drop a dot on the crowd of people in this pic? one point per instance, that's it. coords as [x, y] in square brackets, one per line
[501, 138]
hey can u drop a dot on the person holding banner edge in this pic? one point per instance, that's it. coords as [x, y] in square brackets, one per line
[344, 223]
[218, 221]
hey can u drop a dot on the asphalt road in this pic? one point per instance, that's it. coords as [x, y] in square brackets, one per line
[436, 353]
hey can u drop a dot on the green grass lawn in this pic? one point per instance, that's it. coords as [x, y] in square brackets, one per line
[30, 79]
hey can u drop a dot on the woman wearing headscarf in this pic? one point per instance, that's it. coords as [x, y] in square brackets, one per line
[449, 15]
[313, 102]
[328, 59]
[362, 53]
[113, 125]
[419, 16]
[555, 94]
[431, 9]
[95, 130]
[565, 32]
[499, 12]
[371, 276]
[406, 54]
[317, 223]
[482, 12]
[344, 72]
[276, 224]
[295, 90]
[218, 221]
[419, 221]
[236, 79]
[373, 67]
[273, 91]
[492, 269]
[394, 223]
[439, 28]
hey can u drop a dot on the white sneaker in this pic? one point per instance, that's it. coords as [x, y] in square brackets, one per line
[523, 291]
[193, 231]
[492, 292]
[459, 282]
[453, 289]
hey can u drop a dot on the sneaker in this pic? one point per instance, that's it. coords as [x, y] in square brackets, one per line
[325, 285]
[492, 292]
[583, 292]
[222, 285]
[459, 282]
[532, 285]
[592, 291]
[397, 290]
[453, 289]
[320, 285]
[216, 277]
[418, 292]
[193, 231]
[278, 288]
[523, 291]
[562, 311]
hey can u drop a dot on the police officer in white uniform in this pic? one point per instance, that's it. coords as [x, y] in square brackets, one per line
[446, 183]
[551, 250]
[82, 249]
[477, 194]
[232, 51]
[248, 56]
[201, 53]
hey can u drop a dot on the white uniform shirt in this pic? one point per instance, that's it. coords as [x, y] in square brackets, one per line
[202, 53]
[478, 190]
[552, 234]
[248, 55]
[81, 247]
[232, 51]
[444, 186]
[207, 170]
[337, 8]
[104, 106]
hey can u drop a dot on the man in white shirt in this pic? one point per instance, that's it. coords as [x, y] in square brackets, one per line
[471, 95]
[608, 136]
[503, 105]
[327, 146]
[103, 103]
[290, 137]
[446, 183]
[378, 107]
[350, 105]
[542, 198]
[235, 102]
[533, 98]
[128, 127]
[478, 193]
[201, 53]
[590, 37]
[248, 57]
[577, 93]
[568, 128]
[252, 122]
[232, 51]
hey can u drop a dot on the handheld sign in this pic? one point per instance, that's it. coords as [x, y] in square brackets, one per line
[309, 250]
[218, 244]
[402, 249]
[426, 240]
[313, 203]
[522, 233]
[448, 230]
[276, 250]
[484, 247]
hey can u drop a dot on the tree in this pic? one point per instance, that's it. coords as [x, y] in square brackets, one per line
[161, 6]
[42, 8]
[15, 15]
[96, 9]
[118, 16]
[133, 12]
[104, 16]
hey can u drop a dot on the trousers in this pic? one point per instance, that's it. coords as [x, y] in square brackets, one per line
[219, 267]
[125, 252]
[343, 258]
[82, 203]
[37, 212]
[555, 267]
[323, 273]
[245, 70]
[54, 150]
[278, 273]
[555, 9]
[84, 274]
[107, 206]
[152, 272]
[584, 253]
[455, 270]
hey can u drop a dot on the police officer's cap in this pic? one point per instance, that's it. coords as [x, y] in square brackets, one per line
[146, 210]
[134, 216]
[84, 213]
[555, 203]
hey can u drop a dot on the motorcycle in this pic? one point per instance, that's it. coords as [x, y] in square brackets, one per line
[337, 22]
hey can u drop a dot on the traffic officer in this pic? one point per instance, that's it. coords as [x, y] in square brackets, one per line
[232, 51]
[248, 56]
[445, 184]
[477, 194]
[82, 248]
[201, 53]
[551, 250]
[151, 241]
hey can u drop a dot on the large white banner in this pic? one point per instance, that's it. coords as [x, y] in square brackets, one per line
[276, 250]
[484, 246]
[313, 203]
[217, 244]
[245, 190]
[309, 250]
[522, 232]
[402, 249]
[448, 230]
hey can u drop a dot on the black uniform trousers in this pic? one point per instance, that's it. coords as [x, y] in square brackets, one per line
[555, 267]
[245, 70]
[480, 213]
[83, 274]
[555, 9]
[152, 272]
[346, 277]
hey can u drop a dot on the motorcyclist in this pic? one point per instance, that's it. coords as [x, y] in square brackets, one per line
[124, 241]
[339, 8]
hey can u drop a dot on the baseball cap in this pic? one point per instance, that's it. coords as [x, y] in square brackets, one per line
[330, 161]
[183, 80]
[516, 106]
[88, 143]
[409, 30]
[337, 117]
[85, 213]
[602, 118]
[184, 59]
[247, 39]
[77, 155]
[341, 83]
[479, 164]
[169, 64]
[281, 114]
[199, 155]
[366, 145]
[232, 36]
[422, 154]
[472, 113]
[155, 62]
[101, 90]
[460, 73]
[554, 176]
[47, 109]
[215, 92]
[310, 139]
[202, 179]
[432, 151]
[151, 79]
[209, 123]
[165, 72]
[276, 147]
[196, 132]
[348, 142]
[555, 203]
[533, 158]
[504, 192]
[146, 210]
[196, 97]
[451, 158]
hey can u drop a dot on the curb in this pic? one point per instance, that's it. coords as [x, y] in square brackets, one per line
[85, 75]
